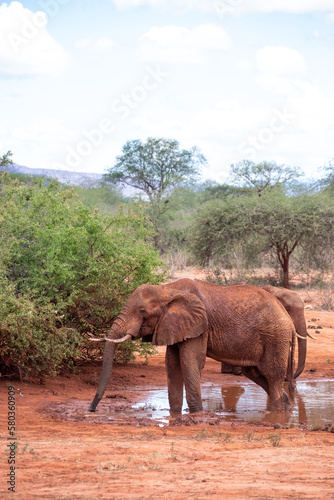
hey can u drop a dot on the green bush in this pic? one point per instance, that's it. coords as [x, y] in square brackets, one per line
[66, 272]
[126, 351]
[32, 343]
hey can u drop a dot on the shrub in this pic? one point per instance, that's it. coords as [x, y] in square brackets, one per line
[31, 341]
[66, 272]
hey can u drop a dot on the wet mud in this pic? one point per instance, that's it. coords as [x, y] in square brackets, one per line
[240, 403]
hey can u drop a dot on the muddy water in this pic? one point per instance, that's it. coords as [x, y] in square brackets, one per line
[313, 406]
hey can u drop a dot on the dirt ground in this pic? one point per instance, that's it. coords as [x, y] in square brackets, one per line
[63, 452]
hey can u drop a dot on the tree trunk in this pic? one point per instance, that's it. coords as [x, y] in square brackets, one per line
[283, 258]
[285, 268]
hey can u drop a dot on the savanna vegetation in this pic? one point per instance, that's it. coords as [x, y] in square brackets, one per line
[70, 256]
[66, 270]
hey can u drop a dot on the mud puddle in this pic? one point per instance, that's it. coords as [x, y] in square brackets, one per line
[313, 405]
[241, 403]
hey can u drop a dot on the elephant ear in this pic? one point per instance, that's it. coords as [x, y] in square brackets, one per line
[184, 317]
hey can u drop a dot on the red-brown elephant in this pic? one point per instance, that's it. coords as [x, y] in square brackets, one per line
[241, 325]
[294, 305]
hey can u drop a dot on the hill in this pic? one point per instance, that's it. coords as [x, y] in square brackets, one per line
[85, 179]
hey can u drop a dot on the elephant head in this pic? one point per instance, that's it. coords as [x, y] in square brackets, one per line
[159, 314]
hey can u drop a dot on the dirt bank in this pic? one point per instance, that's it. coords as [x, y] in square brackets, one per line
[64, 454]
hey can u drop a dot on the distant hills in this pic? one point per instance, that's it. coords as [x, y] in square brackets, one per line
[64, 176]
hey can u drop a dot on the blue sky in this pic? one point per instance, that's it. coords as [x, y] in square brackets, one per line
[240, 79]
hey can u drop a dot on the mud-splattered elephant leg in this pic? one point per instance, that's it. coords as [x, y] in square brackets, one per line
[192, 359]
[174, 378]
[253, 374]
[278, 398]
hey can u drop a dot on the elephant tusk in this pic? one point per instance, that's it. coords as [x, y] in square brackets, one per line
[309, 335]
[304, 338]
[115, 341]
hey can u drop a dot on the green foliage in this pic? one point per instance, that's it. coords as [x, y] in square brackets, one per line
[33, 342]
[174, 225]
[273, 223]
[155, 168]
[71, 267]
[106, 198]
[221, 229]
[263, 176]
[126, 351]
[327, 182]
[6, 160]
[213, 190]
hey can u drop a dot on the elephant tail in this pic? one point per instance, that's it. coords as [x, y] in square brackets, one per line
[292, 383]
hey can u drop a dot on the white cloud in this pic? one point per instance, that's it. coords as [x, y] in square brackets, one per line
[293, 6]
[179, 44]
[281, 85]
[102, 44]
[280, 60]
[243, 65]
[314, 111]
[26, 48]
[222, 7]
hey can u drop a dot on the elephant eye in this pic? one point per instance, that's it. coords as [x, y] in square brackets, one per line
[142, 311]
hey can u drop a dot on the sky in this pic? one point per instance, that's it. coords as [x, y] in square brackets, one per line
[239, 79]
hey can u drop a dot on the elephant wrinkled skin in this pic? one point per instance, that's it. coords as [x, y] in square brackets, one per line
[294, 305]
[241, 325]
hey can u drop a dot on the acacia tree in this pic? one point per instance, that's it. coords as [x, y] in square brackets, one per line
[155, 168]
[274, 222]
[284, 223]
[263, 176]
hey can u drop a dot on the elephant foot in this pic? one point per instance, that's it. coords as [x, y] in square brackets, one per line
[287, 403]
[195, 408]
[282, 404]
[175, 412]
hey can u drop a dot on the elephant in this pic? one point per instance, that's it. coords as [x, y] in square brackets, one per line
[195, 319]
[294, 305]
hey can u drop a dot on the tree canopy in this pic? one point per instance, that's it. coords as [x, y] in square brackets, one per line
[155, 167]
[273, 223]
[263, 176]
[6, 160]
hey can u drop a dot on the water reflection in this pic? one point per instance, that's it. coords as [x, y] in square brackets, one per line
[313, 406]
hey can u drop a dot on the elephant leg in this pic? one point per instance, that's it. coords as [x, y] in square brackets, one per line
[253, 374]
[175, 379]
[192, 358]
[278, 398]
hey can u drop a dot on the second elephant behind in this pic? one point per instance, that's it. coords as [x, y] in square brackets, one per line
[294, 305]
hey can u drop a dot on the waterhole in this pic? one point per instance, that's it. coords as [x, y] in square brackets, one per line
[313, 405]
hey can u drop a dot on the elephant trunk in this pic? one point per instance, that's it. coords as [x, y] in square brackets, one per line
[291, 376]
[108, 358]
[302, 348]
